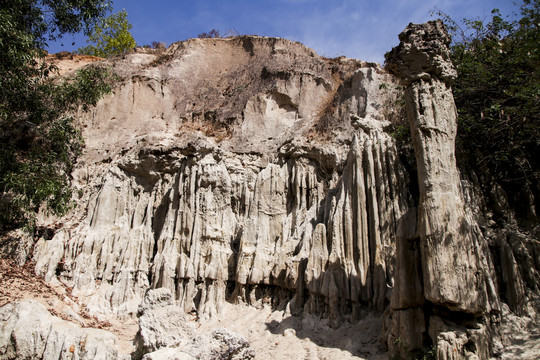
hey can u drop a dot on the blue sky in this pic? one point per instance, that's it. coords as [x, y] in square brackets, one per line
[355, 28]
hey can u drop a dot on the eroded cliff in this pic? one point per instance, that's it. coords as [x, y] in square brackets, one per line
[251, 170]
[455, 300]
[235, 195]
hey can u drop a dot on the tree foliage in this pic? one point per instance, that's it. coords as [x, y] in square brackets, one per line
[110, 37]
[38, 140]
[497, 94]
[43, 20]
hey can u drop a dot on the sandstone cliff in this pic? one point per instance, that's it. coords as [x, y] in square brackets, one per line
[204, 173]
[251, 170]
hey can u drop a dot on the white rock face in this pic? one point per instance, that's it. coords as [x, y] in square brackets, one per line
[251, 170]
[161, 323]
[449, 252]
[455, 268]
[29, 331]
[265, 215]
[219, 219]
[164, 333]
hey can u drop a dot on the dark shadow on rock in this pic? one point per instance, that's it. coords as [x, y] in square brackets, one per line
[359, 339]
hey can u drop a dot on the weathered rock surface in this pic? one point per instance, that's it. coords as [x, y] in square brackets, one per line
[162, 323]
[454, 301]
[166, 334]
[252, 170]
[221, 344]
[29, 331]
[66, 62]
[263, 215]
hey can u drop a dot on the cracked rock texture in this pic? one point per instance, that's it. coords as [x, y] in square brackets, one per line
[252, 170]
[29, 331]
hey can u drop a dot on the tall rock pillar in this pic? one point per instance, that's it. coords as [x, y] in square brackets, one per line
[454, 258]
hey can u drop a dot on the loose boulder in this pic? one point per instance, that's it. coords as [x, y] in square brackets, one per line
[29, 331]
[165, 333]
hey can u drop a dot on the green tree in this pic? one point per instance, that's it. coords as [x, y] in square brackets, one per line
[497, 94]
[110, 37]
[38, 140]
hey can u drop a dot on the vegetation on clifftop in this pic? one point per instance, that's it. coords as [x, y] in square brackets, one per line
[110, 37]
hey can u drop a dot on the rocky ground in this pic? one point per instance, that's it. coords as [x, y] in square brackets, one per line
[19, 283]
[272, 334]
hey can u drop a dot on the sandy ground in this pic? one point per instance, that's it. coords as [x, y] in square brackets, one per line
[275, 335]
[272, 334]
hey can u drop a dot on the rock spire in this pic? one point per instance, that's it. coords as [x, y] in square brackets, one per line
[445, 264]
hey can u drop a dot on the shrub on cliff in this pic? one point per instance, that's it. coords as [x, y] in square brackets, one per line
[110, 37]
[216, 34]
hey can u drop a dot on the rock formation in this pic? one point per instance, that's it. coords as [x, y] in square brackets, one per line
[261, 214]
[162, 324]
[166, 334]
[29, 331]
[454, 298]
[252, 170]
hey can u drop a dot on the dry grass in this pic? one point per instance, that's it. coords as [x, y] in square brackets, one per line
[209, 126]
[326, 113]
[18, 283]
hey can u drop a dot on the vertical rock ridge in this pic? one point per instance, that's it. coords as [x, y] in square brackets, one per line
[210, 224]
[253, 171]
[356, 268]
[449, 250]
